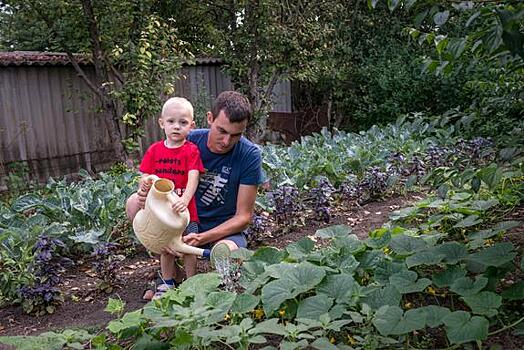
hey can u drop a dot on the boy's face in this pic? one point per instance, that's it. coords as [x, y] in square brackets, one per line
[176, 123]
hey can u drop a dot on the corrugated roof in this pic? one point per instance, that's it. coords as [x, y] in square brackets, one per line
[28, 58]
[23, 58]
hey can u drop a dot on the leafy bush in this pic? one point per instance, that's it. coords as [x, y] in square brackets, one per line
[392, 289]
[79, 214]
[43, 296]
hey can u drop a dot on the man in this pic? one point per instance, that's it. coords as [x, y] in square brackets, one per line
[227, 191]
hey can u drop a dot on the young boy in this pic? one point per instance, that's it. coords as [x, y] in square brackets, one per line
[178, 160]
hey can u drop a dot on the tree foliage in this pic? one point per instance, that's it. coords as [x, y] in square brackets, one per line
[135, 53]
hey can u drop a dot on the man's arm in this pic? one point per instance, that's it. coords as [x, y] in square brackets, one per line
[246, 197]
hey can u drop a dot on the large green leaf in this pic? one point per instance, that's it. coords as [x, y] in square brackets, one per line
[448, 276]
[406, 282]
[453, 251]
[465, 286]
[427, 257]
[496, 255]
[515, 292]
[87, 236]
[470, 220]
[323, 344]
[26, 202]
[333, 231]
[435, 315]
[292, 282]
[346, 262]
[314, 306]
[147, 342]
[483, 205]
[379, 242]
[201, 283]
[484, 303]
[339, 287]
[388, 295]
[405, 245]
[385, 269]
[269, 255]
[244, 303]
[270, 326]
[71, 339]
[300, 249]
[350, 244]
[391, 320]
[462, 328]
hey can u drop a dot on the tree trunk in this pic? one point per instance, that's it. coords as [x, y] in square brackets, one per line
[102, 76]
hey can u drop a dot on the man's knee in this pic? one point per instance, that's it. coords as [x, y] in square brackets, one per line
[232, 245]
[132, 206]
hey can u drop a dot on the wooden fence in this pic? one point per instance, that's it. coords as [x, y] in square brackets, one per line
[49, 120]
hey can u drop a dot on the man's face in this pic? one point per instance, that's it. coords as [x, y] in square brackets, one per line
[223, 134]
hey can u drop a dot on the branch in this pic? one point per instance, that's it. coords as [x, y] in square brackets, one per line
[83, 75]
[270, 86]
[70, 55]
[117, 73]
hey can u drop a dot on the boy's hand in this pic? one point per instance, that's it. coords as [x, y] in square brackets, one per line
[179, 205]
[171, 251]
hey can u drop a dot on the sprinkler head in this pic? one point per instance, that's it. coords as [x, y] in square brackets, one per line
[219, 252]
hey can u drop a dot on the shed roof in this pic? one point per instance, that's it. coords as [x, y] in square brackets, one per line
[28, 58]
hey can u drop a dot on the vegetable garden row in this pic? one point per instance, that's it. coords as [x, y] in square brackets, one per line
[440, 274]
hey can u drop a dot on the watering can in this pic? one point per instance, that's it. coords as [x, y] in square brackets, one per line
[158, 226]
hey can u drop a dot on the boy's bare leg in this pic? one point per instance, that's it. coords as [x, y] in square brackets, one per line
[167, 266]
[190, 264]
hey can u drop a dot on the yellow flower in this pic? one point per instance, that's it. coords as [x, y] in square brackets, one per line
[408, 305]
[227, 317]
[258, 314]
[351, 340]
[489, 242]
[282, 312]
[332, 340]
[431, 290]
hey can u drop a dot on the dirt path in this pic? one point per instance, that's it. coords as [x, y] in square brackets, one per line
[84, 305]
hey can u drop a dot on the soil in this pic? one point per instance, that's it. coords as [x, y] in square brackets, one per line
[84, 303]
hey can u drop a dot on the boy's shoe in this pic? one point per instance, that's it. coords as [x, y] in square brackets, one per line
[220, 251]
[161, 289]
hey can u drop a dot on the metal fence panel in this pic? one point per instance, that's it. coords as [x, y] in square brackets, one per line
[50, 119]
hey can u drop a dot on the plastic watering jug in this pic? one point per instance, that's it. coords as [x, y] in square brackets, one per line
[157, 225]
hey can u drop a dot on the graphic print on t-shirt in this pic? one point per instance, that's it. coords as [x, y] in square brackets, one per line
[169, 166]
[212, 187]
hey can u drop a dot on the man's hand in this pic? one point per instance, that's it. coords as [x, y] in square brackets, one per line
[143, 189]
[195, 239]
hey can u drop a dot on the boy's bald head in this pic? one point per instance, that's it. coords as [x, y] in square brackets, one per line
[177, 104]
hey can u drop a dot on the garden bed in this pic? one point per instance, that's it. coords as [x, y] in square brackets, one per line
[84, 304]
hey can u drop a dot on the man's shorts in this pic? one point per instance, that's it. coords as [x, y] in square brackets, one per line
[239, 239]
[192, 227]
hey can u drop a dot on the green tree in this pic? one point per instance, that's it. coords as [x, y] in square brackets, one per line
[262, 42]
[135, 53]
[484, 40]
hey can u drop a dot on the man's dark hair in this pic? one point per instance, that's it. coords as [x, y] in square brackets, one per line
[235, 105]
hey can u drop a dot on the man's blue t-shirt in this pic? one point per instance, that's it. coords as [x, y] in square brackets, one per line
[217, 191]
